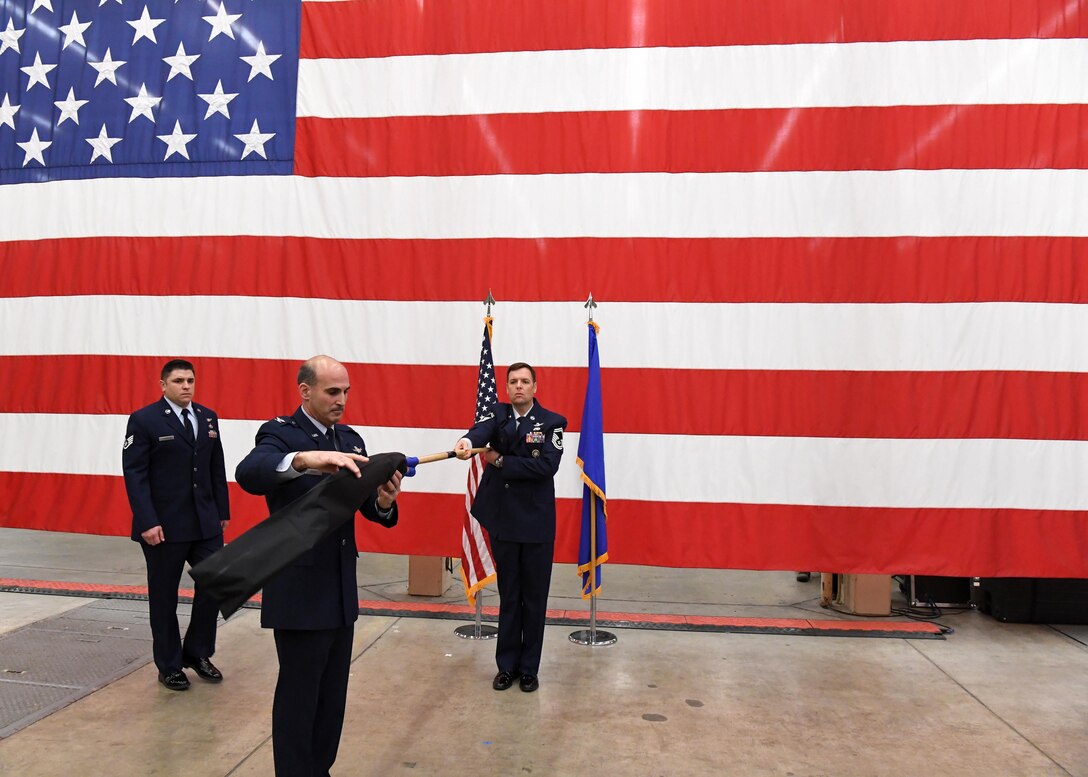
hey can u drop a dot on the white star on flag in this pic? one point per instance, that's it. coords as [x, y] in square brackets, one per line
[34, 148]
[176, 141]
[260, 64]
[47, 4]
[255, 140]
[221, 22]
[9, 38]
[73, 32]
[37, 72]
[103, 2]
[102, 145]
[217, 101]
[69, 107]
[7, 112]
[180, 63]
[142, 104]
[145, 27]
[107, 69]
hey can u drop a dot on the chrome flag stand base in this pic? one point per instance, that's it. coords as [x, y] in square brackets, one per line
[592, 636]
[477, 630]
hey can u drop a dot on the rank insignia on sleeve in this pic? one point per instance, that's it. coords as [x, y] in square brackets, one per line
[557, 439]
[128, 442]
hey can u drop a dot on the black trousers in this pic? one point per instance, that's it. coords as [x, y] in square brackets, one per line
[311, 694]
[524, 572]
[165, 563]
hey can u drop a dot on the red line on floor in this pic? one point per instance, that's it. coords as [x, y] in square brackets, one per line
[556, 617]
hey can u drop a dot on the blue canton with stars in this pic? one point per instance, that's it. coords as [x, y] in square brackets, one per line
[485, 381]
[147, 88]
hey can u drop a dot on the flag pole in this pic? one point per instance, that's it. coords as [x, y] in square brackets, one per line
[478, 630]
[592, 637]
[593, 568]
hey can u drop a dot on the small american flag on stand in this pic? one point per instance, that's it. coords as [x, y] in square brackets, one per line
[477, 566]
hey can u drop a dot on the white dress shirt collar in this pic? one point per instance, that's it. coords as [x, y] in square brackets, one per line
[320, 426]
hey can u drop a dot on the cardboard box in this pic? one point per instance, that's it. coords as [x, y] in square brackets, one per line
[866, 594]
[427, 575]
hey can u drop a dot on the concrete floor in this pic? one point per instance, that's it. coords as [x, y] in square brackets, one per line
[992, 699]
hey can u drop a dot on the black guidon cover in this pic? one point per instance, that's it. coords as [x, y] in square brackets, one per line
[238, 571]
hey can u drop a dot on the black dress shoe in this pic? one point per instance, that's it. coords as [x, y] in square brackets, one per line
[503, 680]
[528, 683]
[175, 681]
[204, 668]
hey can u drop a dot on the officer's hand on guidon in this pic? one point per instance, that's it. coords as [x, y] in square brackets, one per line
[327, 461]
[387, 492]
[463, 448]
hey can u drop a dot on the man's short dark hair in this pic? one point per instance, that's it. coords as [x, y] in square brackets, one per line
[520, 366]
[307, 374]
[175, 364]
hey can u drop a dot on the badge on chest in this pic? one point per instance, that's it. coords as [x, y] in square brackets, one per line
[534, 437]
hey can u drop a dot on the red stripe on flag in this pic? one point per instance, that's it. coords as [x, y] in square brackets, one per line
[403, 27]
[789, 403]
[474, 560]
[860, 540]
[860, 138]
[899, 269]
[856, 540]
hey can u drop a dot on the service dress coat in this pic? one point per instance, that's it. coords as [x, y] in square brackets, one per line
[320, 589]
[172, 480]
[516, 502]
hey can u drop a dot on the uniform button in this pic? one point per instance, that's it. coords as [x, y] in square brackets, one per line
[343, 542]
[194, 469]
[506, 485]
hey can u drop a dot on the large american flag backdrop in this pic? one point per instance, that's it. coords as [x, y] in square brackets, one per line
[839, 248]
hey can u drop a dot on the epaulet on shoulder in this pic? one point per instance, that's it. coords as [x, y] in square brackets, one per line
[280, 420]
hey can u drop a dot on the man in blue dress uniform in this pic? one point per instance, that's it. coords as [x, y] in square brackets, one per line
[177, 488]
[516, 504]
[312, 604]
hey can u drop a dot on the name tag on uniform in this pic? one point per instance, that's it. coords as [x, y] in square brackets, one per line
[167, 437]
[534, 437]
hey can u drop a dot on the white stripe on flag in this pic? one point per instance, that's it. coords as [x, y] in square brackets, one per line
[843, 336]
[861, 472]
[956, 72]
[781, 204]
